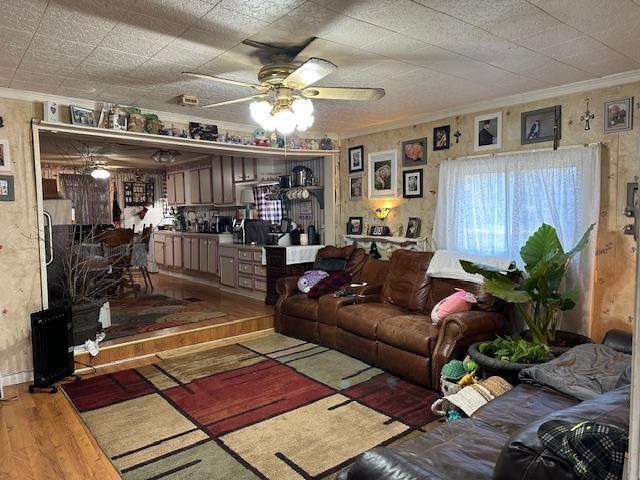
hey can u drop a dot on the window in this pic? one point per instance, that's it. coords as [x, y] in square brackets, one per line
[490, 205]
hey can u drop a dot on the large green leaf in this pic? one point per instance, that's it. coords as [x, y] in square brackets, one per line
[486, 271]
[539, 245]
[504, 288]
[582, 243]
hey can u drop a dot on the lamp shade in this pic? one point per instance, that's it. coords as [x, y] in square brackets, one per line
[246, 196]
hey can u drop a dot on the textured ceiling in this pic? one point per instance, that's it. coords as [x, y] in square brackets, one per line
[428, 54]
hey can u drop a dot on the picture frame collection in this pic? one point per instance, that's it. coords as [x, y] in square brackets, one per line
[536, 126]
[7, 186]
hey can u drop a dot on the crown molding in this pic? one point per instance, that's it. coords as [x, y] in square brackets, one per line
[95, 105]
[164, 116]
[543, 94]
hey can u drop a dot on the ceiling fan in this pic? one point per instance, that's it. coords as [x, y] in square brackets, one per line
[285, 87]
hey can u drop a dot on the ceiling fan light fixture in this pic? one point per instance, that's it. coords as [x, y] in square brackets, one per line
[285, 121]
[164, 156]
[100, 173]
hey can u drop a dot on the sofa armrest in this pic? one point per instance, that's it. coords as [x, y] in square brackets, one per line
[370, 289]
[328, 307]
[458, 331]
[286, 286]
[619, 340]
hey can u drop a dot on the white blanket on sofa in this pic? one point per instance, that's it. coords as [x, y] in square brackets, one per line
[446, 264]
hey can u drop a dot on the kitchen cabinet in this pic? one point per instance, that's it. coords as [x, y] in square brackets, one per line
[244, 169]
[195, 253]
[175, 188]
[216, 180]
[212, 255]
[200, 183]
[202, 249]
[177, 251]
[228, 271]
[194, 181]
[158, 251]
[168, 252]
[204, 177]
[228, 190]
[186, 253]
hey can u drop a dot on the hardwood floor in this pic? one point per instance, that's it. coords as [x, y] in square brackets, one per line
[243, 315]
[42, 437]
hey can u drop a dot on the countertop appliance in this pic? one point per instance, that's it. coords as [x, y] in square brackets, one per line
[279, 239]
[301, 176]
[221, 224]
[238, 230]
[256, 232]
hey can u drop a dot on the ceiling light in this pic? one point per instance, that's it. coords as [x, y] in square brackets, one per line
[285, 117]
[100, 173]
[164, 156]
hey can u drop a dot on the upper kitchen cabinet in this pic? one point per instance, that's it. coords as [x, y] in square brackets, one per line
[216, 177]
[228, 189]
[200, 183]
[244, 169]
[175, 188]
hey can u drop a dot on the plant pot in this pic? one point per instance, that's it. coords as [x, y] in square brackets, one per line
[564, 341]
[490, 366]
[84, 317]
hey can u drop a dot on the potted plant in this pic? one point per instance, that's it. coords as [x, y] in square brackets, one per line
[538, 296]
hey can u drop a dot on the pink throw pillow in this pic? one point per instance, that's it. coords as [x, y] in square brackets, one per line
[457, 302]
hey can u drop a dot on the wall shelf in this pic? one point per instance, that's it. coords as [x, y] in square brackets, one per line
[386, 245]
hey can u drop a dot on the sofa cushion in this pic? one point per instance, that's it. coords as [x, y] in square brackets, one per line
[363, 319]
[440, 288]
[413, 333]
[300, 305]
[522, 405]
[464, 449]
[407, 283]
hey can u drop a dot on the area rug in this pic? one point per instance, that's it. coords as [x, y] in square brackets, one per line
[270, 408]
[131, 316]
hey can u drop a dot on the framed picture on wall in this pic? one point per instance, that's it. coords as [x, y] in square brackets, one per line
[356, 159]
[412, 184]
[414, 152]
[441, 137]
[355, 187]
[539, 125]
[383, 174]
[413, 227]
[354, 226]
[7, 192]
[5, 156]
[83, 116]
[488, 131]
[618, 115]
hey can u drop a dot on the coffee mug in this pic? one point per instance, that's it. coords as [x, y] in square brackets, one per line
[304, 239]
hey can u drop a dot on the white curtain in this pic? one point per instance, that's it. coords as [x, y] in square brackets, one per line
[489, 206]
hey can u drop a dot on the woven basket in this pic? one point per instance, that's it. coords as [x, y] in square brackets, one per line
[448, 387]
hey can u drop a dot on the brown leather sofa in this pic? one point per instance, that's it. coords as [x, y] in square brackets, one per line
[296, 314]
[499, 441]
[389, 325]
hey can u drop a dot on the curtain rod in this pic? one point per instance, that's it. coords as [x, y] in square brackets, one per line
[546, 149]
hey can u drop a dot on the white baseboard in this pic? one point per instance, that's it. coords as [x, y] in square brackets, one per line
[15, 378]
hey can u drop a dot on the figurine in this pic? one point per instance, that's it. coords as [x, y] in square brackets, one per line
[304, 144]
[273, 140]
[326, 144]
[314, 145]
[294, 143]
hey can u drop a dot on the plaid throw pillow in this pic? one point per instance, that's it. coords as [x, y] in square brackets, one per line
[331, 284]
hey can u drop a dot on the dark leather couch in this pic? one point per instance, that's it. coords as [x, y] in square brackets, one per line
[500, 441]
[389, 325]
[297, 315]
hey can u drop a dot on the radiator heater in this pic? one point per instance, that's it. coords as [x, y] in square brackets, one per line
[52, 342]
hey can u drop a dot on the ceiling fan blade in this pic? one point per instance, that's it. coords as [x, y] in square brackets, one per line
[267, 51]
[344, 93]
[225, 80]
[309, 72]
[237, 100]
